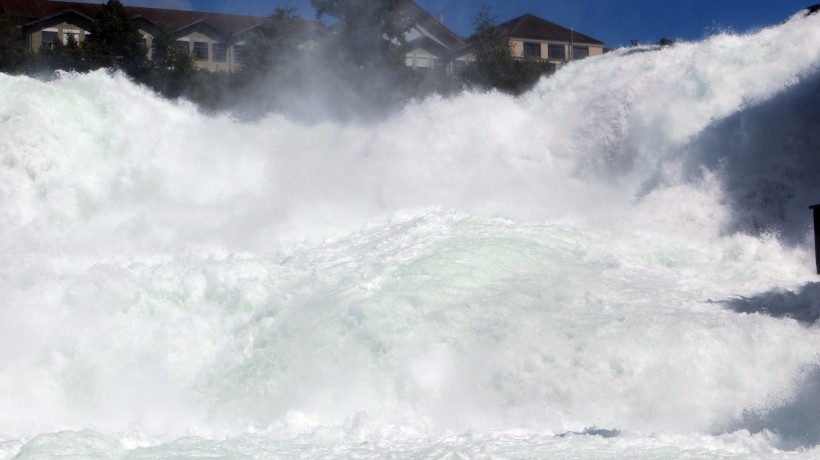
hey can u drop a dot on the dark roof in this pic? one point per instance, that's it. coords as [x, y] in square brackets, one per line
[533, 27]
[26, 9]
[231, 24]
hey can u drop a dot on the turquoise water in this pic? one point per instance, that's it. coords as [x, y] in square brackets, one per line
[617, 264]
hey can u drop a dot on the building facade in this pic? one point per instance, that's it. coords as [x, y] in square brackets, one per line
[534, 37]
[431, 45]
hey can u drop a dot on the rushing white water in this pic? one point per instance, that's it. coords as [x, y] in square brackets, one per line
[615, 265]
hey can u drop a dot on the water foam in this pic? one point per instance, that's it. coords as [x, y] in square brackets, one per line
[519, 267]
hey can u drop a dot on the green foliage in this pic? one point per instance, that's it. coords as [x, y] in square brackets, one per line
[272, 45]
[170, 69]
[68, 57]
[115, 41]
[364, 56]
[212, 91]
[272, 65]
[666, 41]
[13, 51]
[495, 66]
[368, 30]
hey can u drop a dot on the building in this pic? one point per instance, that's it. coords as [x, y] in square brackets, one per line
[531, 36]
[431, 45]
[214, 40]
[536, 37]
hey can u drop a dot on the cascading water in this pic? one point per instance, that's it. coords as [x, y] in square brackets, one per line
[615, 265]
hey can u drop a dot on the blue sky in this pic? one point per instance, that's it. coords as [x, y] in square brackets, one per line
[614, 22]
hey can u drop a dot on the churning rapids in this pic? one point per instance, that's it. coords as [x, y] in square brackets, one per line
[615, 265]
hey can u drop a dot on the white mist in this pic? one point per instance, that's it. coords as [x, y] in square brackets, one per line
[477, 276]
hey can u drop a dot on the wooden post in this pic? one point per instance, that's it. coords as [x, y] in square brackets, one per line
[816, 209]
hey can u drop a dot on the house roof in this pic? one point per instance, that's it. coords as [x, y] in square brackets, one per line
[533, 27]
[428, 44]
[432, 25]
[231, 24]
[26, 9]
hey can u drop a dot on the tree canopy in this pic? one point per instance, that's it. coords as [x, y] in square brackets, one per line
[170, 68]
[271, 45]
[367, 28]
[495, 66]
[115, 41]
[13, 52]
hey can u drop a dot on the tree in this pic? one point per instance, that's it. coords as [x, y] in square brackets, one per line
[367, 28]
[115, 41]
[68, 56]
[13, 51]
[272, 45]
[369, 74]
[170, 69]
[664, 41]
[494, 65]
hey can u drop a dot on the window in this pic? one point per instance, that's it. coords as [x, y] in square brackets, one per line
[144, 43]
[220, 52]
[201, 51]
[155, 51]
[69, 34]
[532, 50]
[423, 63]
[49, 37]
[558, 52]
[239, 54]
[182, 46]
[580, 52]
[458, 67]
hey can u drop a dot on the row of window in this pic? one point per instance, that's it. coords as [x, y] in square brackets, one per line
[51, 35]
[201, 51]
[555, 52]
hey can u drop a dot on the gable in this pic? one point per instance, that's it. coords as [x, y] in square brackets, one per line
[68, 17]
[427, 45]
[202, 28]
[431, 27]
